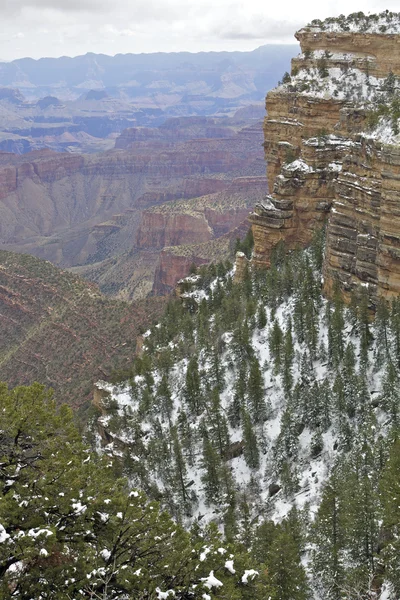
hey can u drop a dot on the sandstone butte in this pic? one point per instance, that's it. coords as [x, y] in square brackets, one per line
[325, 165]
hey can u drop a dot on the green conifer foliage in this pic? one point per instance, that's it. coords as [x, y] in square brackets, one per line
[255, 392]
[328, 535]
[192, 391]
[251, 452]
[390, 495]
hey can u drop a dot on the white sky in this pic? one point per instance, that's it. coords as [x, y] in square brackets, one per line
[39, 28]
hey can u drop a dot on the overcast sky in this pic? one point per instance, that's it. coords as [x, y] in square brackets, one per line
[39, 28]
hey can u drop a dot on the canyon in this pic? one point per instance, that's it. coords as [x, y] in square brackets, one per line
[109, 215]
[327, 165]
[82, 104]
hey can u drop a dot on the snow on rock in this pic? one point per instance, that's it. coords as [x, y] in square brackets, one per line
[298, 165]
[385, 23]
[383, 132]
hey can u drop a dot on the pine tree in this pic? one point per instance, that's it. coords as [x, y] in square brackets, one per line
[192, 391]
[237, 404]
[382, 346]
[335, 328]
[288, 356]
[211, 463]
[287, 574]
[390, 495]
[216, 370]
[218, 427]
[276, 345]
[364, 327]
[390, 397]
[261, 317]
[68, 528]
[165, 399]
[329, 535]
[395, 329]
[251, 451]
[241, 343]
[255, 392]
[180, 474]
[187, 436]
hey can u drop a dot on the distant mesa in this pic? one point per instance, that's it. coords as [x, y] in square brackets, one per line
[11, 95]
[96, 95]
[47, 101]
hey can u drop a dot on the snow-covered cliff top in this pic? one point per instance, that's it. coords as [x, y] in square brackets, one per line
[385, 22]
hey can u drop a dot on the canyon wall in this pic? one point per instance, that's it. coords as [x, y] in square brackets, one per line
[322, 166]
[74, 209]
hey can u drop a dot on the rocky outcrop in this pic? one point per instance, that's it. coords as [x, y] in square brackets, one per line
[322, 166]
[363, 236]
[201, 230]
[171, 268]
[158, 230]
[176, 130]
[241, 266]
[162, 228]
[175, 261]
[374, 53]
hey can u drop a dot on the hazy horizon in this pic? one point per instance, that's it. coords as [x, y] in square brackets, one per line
[278, 44]
[55, 28]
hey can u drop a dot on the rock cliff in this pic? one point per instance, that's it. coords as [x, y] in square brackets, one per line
[74, 209]
[332, 150]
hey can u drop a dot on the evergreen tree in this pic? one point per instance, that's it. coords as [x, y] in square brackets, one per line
[165, 399]
[390, 495]
[335, 328]
[255, 392]
[68, 528]
[329, 535]
[237, 405]
[395, 329]
[261, 317]
[276, 345]
[251, 451]
[180, 471]
[288, 356]
[390, 397]
[192, 391]
[218, 426]
[382, 346]
[287, 574]
[211, 463]
[187, 436]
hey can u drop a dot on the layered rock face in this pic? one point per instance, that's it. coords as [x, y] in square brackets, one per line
[183, 194]
[363, 236]
[65, 207]
[198, 231]
[323, 166]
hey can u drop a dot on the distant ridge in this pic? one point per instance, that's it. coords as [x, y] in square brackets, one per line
[134, 72]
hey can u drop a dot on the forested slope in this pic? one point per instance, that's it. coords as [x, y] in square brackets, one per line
[261, 402]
